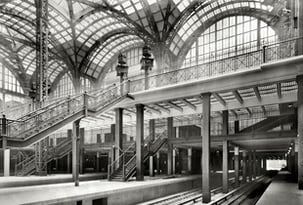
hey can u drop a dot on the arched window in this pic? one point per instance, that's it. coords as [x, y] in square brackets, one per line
[64, 88]
[85, 84]
[228, 37]
[8, 81]
[13, 102]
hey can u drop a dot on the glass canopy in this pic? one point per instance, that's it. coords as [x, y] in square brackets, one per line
[85, 35]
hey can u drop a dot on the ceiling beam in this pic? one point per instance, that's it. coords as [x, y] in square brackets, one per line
[277, 135]
[130, 111]
[234, 113]
[248, 111]
[219, 98]
[175, 106]
[238, 96]
[161, 108]
[186, 102]
[103, 115]
[153, 110]
[257, 93]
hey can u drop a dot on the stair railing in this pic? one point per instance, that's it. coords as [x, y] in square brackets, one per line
[121, 163]
[21, 167]
[104, 97]
[40, 119]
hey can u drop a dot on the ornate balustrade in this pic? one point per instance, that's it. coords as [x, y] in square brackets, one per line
[246, 61]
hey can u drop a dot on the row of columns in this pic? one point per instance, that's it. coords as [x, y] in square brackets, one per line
[249, 165]
[205, 146]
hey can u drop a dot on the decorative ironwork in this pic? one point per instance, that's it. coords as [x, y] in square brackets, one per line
[269, 53]
[41, 87]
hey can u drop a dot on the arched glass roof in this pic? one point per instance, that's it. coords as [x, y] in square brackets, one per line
[86, 34]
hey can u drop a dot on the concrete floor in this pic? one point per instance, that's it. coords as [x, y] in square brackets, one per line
[17, 181]
[282, 191]
[53, 193]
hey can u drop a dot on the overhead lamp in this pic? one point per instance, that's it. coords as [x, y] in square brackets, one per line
[122, 68]
[147, 63]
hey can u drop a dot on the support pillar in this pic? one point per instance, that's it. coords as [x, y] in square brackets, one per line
[76, 151]
[151, 166]
[236, 156]
[118, 134]
[189, 154]
[264, 165]
[244, 169]
[158, 162]
[81, 158]
[112, 132]
[293, 159]
[174, 161]
[300, 128]
[152, 130]
[98, 161]
[169, 146]
[225, 167]
[6, 158]
[206, 148]
[254, 165]
[69, 162]
[250, 166]
[225, 153]
[139, 142]
[237, 126]
[69, 155]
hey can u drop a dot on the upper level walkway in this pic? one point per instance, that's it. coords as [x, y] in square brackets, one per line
[282, 190]
[263, 77]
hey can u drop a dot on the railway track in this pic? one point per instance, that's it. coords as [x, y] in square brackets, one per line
[247, 194]
[183, 198]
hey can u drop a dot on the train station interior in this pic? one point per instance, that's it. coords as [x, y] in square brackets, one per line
[151, 102]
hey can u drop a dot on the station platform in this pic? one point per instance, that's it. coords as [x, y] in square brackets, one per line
[20, 181]
[103, 191]
[282, 190]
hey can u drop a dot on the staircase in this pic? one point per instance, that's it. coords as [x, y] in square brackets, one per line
[126, 163]
[38, 124]
[28, 166]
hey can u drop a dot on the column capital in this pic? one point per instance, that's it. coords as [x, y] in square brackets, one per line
[299, 78]
[205, 94]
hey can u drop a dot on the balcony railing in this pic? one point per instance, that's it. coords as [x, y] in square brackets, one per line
[246, 61]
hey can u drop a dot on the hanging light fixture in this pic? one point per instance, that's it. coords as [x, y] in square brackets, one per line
[147, 61]
[122, 68]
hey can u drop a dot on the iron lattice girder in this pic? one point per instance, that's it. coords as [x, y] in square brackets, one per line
[41, 75]
[42, 50]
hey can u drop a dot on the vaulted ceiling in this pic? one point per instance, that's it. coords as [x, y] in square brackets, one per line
[87, 34]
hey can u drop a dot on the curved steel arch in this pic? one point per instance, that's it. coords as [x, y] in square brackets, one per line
[134, 38]
[235, 12]
[98, 43]
[120, 16]
[102, 74]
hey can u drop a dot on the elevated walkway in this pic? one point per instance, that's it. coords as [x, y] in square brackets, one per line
[282, 190]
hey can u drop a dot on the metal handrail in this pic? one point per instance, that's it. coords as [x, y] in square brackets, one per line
[239, 55]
